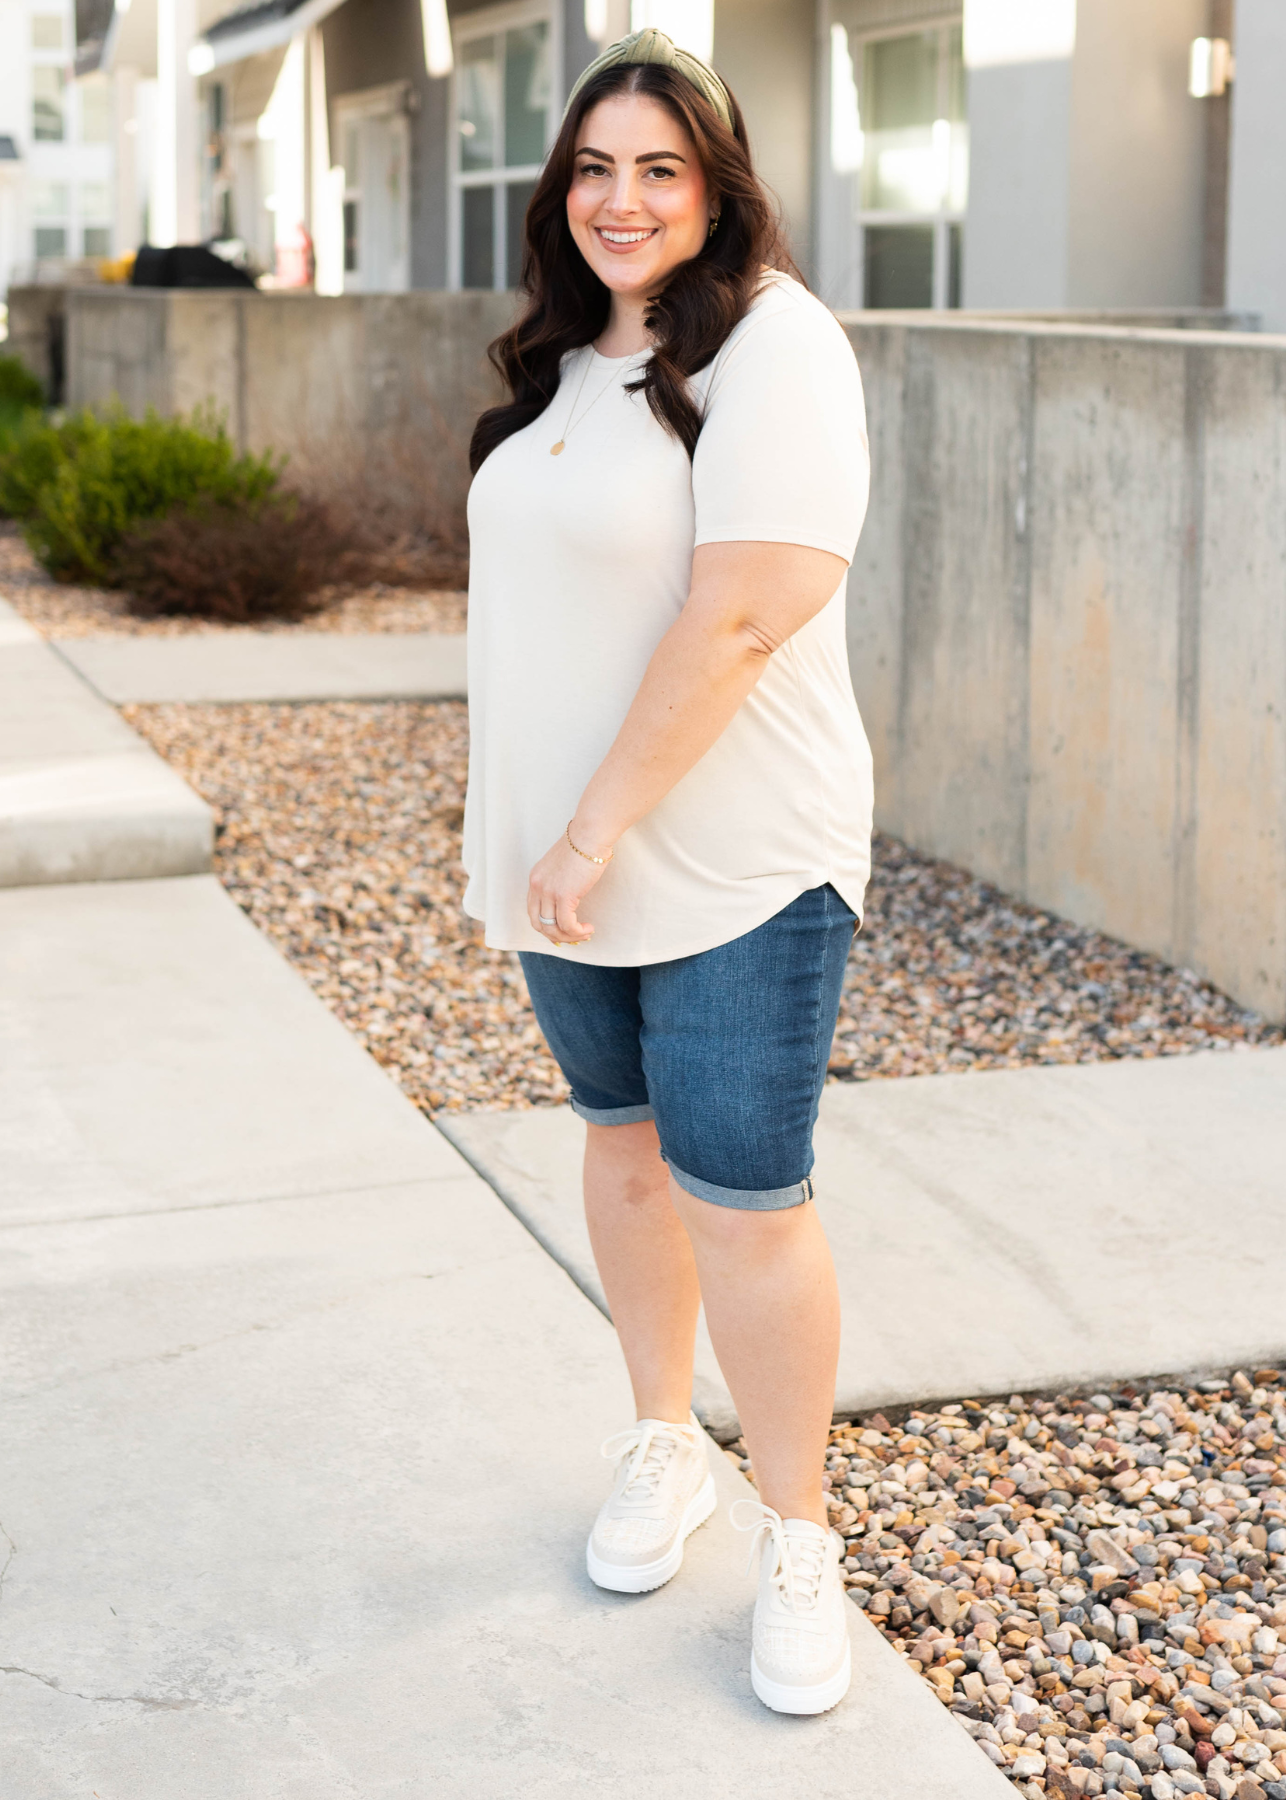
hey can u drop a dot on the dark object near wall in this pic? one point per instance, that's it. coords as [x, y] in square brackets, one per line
[185, 266]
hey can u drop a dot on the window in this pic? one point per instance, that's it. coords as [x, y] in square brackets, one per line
[502, 123]
[50, 206]
[899, 132]
[48, 103]
[96, 214]
[95, 109]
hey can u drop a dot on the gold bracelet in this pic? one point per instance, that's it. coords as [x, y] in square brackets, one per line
[600, 860]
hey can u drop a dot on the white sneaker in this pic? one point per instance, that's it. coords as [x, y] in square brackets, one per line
[800, 1661]
[663, 1491]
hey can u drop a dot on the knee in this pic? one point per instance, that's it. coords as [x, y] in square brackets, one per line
[739, 1231]
[626, 1161]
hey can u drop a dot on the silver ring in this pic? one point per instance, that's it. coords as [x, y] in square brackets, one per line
[545, 921]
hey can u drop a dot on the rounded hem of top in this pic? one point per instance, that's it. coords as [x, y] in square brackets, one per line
[840, 881]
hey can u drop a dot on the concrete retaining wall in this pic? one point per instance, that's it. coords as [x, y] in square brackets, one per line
[1068, 618]
[1068, 624]
[319, 378]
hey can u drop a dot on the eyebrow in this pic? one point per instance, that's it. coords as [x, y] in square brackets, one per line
[648, 155]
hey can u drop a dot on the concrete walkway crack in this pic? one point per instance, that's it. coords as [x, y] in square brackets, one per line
[178, 1352]
[9, 1556]
[144, 1700]
[216, 1205]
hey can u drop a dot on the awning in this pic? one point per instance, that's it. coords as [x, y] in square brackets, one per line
[250, 30]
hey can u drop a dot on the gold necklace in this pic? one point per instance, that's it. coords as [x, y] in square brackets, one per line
[558, 448]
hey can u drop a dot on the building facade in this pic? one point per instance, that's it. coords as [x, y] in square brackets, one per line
[58, 201]
[991, 154]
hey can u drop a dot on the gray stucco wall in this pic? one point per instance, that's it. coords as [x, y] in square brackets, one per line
[1087, 172]
[1016, 241]
[764, 49]
[1068, 624]
[1137, 186]
[1257, 179]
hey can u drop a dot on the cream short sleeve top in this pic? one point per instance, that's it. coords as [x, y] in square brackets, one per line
[579, 565]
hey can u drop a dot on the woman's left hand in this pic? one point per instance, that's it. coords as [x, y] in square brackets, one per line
[559, 882]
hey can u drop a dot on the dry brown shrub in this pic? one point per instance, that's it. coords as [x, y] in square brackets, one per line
[238, 563]
[398, 493]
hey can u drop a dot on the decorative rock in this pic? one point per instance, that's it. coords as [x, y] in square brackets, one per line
[1017, 1648]
[1105, 1549]
[945, 1606]
[990, 1667]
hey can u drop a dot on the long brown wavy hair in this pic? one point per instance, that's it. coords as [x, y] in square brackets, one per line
[689, 320]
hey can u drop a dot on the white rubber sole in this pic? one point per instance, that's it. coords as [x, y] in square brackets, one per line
[643, 1577]
[820, 1698]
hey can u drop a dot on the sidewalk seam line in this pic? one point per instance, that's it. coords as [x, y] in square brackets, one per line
[528, 1222]
[160, 1212]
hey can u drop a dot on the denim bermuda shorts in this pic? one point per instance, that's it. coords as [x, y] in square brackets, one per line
[725, 1050]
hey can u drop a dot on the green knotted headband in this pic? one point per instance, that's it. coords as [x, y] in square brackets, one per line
[652, 46]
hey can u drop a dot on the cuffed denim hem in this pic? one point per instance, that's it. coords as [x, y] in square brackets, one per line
[745, 1199]
[612, 1115]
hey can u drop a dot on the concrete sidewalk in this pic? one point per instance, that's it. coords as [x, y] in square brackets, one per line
[300, 1431]
[82, 798]
[259, 665]
[1018, 1229]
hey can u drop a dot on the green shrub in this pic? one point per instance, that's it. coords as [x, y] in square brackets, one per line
[79, 486]
[21, 400]
[30, 458]
[19, 388]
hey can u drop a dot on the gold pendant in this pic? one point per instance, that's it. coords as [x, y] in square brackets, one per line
[557, 449]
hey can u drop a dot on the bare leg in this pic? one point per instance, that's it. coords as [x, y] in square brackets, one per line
[646, 1265]
[772, 1306]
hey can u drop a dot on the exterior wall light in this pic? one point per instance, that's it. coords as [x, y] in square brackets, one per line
[439, 58]
[1210, 68]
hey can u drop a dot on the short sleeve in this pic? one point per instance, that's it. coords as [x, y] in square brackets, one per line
[783, 454]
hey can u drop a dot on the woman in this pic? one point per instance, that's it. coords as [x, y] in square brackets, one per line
[670, 792]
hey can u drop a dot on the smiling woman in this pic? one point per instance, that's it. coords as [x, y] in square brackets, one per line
[669, 801]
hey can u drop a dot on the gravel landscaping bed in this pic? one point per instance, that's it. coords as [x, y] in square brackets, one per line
[59, 611]
[339, 829]
[1095, 1587]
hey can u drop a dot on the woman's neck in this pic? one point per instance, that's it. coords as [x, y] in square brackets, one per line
[625, 333]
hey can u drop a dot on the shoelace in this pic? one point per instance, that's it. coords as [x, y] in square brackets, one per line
[798, 1562]
[650, 1444]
